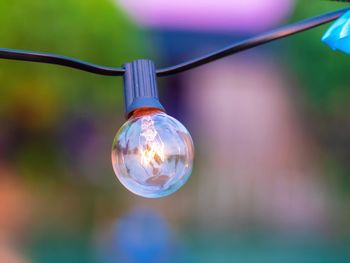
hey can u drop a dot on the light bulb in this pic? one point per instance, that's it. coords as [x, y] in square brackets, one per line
[152, 153]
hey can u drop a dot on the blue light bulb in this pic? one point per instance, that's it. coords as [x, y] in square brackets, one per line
[338, 35]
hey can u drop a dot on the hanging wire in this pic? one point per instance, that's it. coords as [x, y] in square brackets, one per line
[254, 41]
[258, 40]
[32, 56]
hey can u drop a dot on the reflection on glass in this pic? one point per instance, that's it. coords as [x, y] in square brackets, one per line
[152, 154]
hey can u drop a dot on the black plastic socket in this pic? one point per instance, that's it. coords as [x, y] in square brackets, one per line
[140, 86]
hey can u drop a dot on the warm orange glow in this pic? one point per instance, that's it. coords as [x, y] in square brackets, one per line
[144, 111]
[152, 151]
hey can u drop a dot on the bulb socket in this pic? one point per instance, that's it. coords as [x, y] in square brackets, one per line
[140, 86]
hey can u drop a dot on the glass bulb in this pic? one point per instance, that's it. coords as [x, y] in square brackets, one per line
[152, 154]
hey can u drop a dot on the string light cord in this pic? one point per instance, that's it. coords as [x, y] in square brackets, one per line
[249, 43]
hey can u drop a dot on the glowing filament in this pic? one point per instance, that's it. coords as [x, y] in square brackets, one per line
[152, 152]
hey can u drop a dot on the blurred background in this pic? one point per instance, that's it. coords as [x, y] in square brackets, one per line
[271, 126]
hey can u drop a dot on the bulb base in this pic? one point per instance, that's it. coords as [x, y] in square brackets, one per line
[140, 86]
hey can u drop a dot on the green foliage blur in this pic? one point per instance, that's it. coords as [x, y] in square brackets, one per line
[40, 104]
[323, 72]
[95, 31]
[324, 78]
[37, 99]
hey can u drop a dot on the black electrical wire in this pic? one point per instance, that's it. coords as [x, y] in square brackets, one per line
[258, 40]
[232, 49]
[59, 60]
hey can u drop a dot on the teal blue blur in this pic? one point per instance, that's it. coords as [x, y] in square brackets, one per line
[337, 36]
